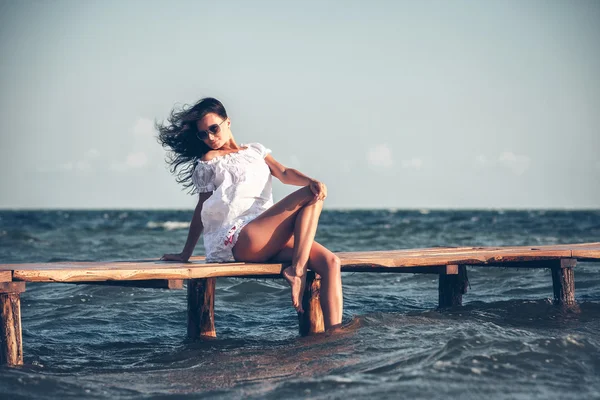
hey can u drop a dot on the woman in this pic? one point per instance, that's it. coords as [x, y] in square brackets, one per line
[235, 207]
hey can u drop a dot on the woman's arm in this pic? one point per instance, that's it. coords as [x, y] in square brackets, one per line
[193, 234]
[290, 176]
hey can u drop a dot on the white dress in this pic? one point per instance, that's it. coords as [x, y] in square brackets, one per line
[242, 190]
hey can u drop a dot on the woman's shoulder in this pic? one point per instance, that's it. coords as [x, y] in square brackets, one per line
[214, 156]
[208, 156]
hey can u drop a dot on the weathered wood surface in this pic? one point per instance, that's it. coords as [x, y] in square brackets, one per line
[452, 286]
[201, 308]
[563, 281]
[412, 260]
[11, 337]
[5, 276]
[311, 320]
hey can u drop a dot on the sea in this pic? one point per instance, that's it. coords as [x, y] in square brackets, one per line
[507, 341]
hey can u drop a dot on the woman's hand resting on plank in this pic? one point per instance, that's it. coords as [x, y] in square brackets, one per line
[175, 257]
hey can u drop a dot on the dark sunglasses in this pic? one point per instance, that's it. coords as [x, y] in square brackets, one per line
[214, 129]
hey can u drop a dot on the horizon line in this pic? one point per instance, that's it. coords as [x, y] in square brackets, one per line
[434, 208]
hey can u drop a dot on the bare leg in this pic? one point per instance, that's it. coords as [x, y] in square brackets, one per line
[297, 214]
[327, 265]
[304, 229]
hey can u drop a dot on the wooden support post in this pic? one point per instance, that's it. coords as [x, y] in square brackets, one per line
[563, 281]
[311, 321]
[11, 336]
[5, 276]
[201, 304]
[452, 285]
[175, 284]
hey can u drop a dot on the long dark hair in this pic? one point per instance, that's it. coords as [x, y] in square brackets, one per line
[178, 134]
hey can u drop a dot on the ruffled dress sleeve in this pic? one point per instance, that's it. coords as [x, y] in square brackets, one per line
[203, 178]
[262, 150]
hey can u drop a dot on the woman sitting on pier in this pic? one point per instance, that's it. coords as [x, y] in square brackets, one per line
[235, 207]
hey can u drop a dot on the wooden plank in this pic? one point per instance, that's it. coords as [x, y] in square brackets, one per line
[369, 267]
[421, 260]
[208, 271]
[536, 264]
[190, 271]
[586, 255]
[480, 257]
[589, 252]
[116, 265]
[5, 276]
[481, 254]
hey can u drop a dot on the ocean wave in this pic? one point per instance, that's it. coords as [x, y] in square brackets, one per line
[168, 225]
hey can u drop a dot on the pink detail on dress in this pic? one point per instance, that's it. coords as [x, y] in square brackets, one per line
[229, 238]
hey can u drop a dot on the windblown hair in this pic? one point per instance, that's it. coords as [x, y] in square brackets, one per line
[179, 136]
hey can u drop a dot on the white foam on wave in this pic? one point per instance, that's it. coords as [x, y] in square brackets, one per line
[168, 225]
[572, 339]
[442, 364]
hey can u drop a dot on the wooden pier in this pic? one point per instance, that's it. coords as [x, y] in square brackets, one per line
[449, 263]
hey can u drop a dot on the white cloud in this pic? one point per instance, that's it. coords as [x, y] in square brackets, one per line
[518, 164]
[413, 163]
[144, 127]
[380, 156]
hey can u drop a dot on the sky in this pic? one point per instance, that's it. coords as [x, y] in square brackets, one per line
[392, 104]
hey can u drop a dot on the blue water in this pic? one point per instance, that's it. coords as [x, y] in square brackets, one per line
[507, 341]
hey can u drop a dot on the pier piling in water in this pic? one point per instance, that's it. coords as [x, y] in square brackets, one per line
[201, 308]
[453, 284]
[311, 321]
[563, 281]
[11, 336]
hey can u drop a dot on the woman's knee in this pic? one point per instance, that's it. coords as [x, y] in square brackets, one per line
[334, 265]
[308, 199]
[305, 194]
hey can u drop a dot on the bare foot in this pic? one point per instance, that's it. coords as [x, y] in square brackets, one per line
[297, 283]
